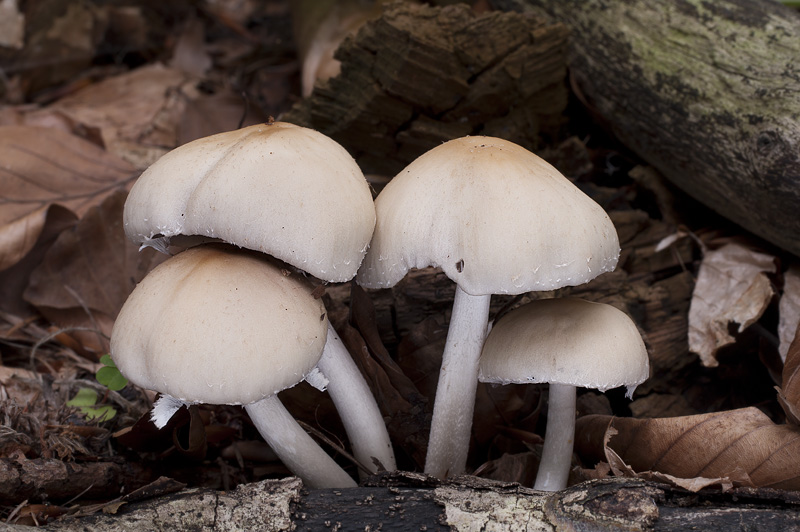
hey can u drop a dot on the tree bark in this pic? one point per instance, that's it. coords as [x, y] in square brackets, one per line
[707, 92]
[421, 75]
[409, 501]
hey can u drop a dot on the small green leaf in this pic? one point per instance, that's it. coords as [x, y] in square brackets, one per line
[84, 397]
[109, 375]
[100, 413]
[112, 378]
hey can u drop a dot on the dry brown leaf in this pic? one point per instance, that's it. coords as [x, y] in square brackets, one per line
[618, 467]
[22, 246]
[42, 167]
[89, 271]
[400, 401]
[661, 405]
[738, 445]
[60, 41]
[789, 392]
[136, 113]
[517, 467]
[214, 113]
[731, 288]
[789, 309]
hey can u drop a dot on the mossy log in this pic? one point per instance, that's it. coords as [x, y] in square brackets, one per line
[706, 92]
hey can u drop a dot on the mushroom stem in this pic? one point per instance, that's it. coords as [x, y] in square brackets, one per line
[356, 405]
[296, 449]
[558, 439]
[451, 425]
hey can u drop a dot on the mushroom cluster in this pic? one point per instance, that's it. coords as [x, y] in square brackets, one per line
[289, 193]
[497, 219]
[226, 325]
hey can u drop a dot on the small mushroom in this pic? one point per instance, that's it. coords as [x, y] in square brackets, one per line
[222, 326]
[287, 191]
[498, 220]
[567, 343]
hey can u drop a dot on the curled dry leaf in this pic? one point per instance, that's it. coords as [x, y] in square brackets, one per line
[42, 167]
[789, 392]
[789, 309]
[136, 113]
[742, 445]
[731, 288]
[23, 243]
[88, 272]
[616, 465]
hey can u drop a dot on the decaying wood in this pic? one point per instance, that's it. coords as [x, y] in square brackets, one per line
[421, 75]
[704, 91]
[407, 501]
[52, 479]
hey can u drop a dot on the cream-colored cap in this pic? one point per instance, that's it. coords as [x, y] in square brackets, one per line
[219, 325]
[565, 341]
[277, 188]
[494, 216]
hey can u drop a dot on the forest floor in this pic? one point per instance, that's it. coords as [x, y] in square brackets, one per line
[98, 92]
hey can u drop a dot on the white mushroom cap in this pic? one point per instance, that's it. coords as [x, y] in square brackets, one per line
[565, 341]
[277, 188]
[218, 325]
[494, 216]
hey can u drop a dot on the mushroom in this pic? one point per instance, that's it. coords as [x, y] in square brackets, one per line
[567, 343]
[281, 189]
[498, 220]
[287, 191]
[224, 326]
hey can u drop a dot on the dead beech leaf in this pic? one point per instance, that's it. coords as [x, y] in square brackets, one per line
[400, 401]
[731, 288]
[136, 113]
[208, 114]
[789, 392]
[88, 272]
[619, 468]
[789, 309]
[19, 256]
[42, 167]
[741, 445]
[516, 467]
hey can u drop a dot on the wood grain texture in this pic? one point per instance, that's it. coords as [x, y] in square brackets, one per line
[420, 75]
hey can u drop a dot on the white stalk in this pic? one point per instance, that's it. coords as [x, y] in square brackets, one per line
[356, 405]
[558, 439]
[296, 449]
[451, 425]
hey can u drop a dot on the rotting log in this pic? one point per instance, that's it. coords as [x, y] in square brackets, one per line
[408, 501]
[420, 75]
[706, 92]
